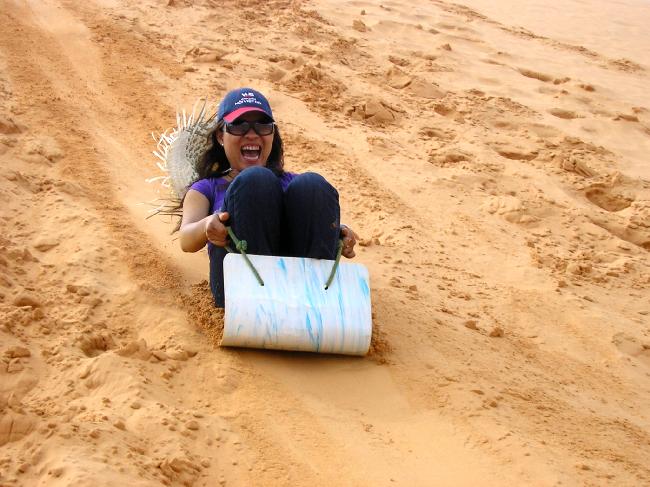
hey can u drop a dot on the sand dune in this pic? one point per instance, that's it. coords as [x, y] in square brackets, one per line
[493, 158]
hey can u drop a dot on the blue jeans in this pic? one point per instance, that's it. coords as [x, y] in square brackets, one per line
[301, 221]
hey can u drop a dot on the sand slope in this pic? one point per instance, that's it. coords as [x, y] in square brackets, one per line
[493, 159]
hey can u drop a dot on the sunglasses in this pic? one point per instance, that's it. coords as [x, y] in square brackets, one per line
[242, 128]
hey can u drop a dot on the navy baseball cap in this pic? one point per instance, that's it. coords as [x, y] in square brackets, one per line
[240, 101]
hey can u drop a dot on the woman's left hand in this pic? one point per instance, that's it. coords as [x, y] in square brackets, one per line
[349, 241]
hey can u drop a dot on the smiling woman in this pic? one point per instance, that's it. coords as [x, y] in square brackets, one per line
[242, 184]
[248, 140]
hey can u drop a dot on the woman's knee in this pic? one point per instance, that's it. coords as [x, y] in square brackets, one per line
[310, 183]
[255, 184]
[309, 197]
[313, 217]
[255, 176]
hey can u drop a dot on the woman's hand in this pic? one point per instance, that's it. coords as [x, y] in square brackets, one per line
[215, 230]
[349, 241]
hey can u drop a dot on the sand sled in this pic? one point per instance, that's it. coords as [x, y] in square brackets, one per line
[290, 303]
[281, 303]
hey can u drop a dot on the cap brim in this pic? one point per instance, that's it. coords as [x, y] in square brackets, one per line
[232, 116]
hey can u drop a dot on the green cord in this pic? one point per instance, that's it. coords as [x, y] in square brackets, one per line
[241, 245]
[335, 266]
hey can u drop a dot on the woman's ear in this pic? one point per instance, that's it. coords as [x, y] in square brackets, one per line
[219, 137]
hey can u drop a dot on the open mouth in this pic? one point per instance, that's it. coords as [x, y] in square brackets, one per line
[251, 152]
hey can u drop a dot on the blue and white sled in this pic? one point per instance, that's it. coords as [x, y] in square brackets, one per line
[293, 310]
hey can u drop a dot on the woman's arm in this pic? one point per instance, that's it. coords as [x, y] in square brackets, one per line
[198, 225]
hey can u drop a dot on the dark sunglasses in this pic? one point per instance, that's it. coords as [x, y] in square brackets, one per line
[242, 128]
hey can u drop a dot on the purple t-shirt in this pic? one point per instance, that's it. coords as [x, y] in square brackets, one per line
[214, 189]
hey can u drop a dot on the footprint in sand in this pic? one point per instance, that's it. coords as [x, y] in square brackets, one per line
[45, 244]
[373, 112]
[628, 211]
[427, 133]
[398, 79]
[287, 63]
[93, 344]
[446, 110]
[627, 117]
[399, 61]
[359, 26]
[514, 152]
[211, 55]
[565, 114]
[180, 470]
[608, 198]
[449, 157]
[529, 73]
[424, 89]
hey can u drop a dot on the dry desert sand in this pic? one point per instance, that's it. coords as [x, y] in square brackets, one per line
[492, 156]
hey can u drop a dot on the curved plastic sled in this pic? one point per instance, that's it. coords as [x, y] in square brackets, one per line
[293, 310]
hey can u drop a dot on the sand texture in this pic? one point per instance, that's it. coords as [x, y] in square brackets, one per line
[494, 158]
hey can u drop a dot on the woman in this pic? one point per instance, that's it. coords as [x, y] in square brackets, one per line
[243, 184]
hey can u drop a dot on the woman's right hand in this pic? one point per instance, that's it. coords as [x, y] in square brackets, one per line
[215, 230]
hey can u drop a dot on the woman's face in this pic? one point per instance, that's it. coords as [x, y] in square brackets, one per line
[246, 150]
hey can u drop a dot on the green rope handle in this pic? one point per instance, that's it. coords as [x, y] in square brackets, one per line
[241, 245]
[335, 266]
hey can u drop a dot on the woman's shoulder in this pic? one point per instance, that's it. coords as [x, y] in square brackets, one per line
[209, 185]
[211, 181]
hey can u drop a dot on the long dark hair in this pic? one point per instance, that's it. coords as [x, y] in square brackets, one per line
[214, 162]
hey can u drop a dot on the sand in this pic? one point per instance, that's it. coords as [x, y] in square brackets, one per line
[492, 156]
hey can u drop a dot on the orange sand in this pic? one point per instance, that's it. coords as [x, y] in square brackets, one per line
[493, 157]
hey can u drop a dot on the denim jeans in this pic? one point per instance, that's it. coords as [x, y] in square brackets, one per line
[301, 221]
